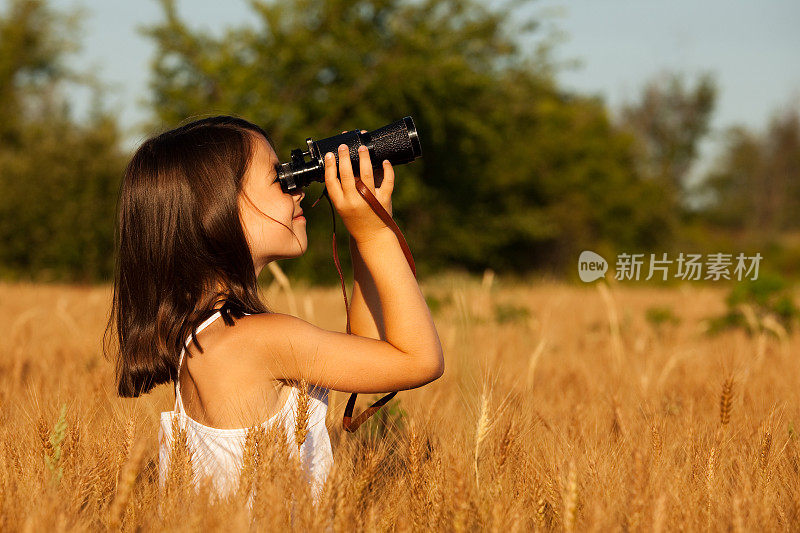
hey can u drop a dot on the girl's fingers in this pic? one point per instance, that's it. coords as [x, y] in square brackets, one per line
[370, 180]
[346, 172]
[365, 168]
[347, 184]
[387, 185]
[331, 180]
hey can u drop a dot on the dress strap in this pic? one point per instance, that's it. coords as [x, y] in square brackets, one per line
[201, 327]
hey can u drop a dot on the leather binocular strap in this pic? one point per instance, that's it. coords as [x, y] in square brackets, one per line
[348, 423]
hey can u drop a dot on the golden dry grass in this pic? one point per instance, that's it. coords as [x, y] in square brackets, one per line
[579, 416]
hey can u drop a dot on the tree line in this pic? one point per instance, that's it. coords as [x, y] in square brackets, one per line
[517, 174]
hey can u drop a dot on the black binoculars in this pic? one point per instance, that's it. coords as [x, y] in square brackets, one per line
[398, 142]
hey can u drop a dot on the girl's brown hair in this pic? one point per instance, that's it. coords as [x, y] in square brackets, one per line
[179, 239]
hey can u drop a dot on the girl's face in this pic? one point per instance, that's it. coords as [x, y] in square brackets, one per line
[268, 239]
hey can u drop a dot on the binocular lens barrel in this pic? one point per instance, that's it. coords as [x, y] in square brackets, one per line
[398, 142]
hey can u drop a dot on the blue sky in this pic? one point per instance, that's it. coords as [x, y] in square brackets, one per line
[751, 47]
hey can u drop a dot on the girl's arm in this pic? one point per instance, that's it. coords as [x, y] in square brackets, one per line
[411, 355]
[366, 314]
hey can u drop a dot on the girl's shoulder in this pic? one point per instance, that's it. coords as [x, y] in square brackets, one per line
[228, 373]
[230, 348]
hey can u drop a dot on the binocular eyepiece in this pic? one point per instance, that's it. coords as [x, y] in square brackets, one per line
[398, 142]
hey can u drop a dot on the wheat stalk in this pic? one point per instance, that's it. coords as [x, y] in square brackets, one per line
[763, 459]
[750, 317]
[53, 460]
[72, 440]
[481, 431]
[461, 502]
[613, 323]
[251, 455]
[488, 279]
[541, 508]
[273, 471]
[726, 401]
[419, 504]
[416, 483]
[771, 324]
[710, 468]
[659, 514]
[365, 477]
[127, 445]
[638, 488]
[505, 445]
[534, 360]
[283, 281]
[738, 519]
[303, 414]
[766, 444]
[308, 308]
[414, 457]
[617, 424]
[571, 498]
[44, 436]
[180, 473]
[656, 442]
[127, 479]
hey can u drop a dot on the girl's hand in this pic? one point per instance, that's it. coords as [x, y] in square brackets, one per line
[359, 218]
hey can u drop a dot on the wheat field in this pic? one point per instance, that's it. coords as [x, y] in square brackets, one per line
[562, 407]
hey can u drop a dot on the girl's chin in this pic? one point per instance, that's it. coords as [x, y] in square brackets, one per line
[302, 251]
[291, 254]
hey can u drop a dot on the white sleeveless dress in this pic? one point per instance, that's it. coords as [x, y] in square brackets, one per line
[217, 452]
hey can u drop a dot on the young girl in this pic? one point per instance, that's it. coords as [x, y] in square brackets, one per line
[201, 212]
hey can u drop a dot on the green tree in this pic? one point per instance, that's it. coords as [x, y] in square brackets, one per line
[58, 177]
[516, 174]
[669, 121]
[755, 184]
